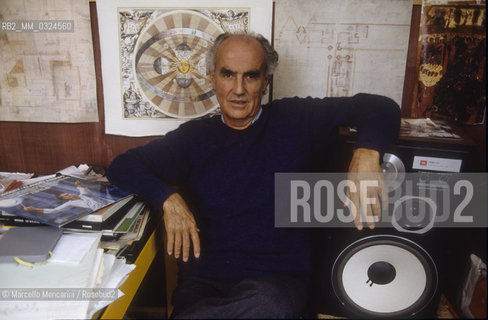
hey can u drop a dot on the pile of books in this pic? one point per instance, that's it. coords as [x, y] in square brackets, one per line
[61, 239]
[77, 202]
[47, 274]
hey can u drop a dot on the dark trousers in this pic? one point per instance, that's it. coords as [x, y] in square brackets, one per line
[265, 297]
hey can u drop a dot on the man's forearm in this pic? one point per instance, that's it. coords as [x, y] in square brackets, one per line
[377, 119]
[129, 174]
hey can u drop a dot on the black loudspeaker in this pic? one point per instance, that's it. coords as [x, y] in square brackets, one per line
[387, 273]
[383, 258]
[378, 273]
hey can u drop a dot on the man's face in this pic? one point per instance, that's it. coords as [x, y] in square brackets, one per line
[239, 80]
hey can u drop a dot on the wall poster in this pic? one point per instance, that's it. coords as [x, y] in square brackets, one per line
[153, 58]
[335, 48]
[451, 81]
[47, 66]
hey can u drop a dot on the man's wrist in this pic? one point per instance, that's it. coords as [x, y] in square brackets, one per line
[367, 152]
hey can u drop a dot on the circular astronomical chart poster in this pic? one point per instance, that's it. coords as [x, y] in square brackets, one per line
[169, 63]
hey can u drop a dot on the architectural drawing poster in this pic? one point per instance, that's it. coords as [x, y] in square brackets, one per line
[153, 58]
[341, 47]
[451, 82]
[47, 71]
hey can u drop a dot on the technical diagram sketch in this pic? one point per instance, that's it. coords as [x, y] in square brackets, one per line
[341, 47]
[47, 66]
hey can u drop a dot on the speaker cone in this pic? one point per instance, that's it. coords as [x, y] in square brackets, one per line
[384, 276]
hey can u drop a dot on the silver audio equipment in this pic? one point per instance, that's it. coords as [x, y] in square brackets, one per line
[393, 170]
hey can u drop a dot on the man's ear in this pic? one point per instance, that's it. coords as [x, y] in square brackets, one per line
[266, 84]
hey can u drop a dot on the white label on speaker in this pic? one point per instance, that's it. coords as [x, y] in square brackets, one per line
[436, 164]
[401, 293]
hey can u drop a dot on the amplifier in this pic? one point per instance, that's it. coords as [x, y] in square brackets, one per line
[447, 147]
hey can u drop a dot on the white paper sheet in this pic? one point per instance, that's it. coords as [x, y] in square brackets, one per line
[72, 248]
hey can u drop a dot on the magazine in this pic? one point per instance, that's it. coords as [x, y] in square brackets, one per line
[61, 199]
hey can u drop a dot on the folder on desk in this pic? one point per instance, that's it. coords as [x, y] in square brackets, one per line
[29, 244]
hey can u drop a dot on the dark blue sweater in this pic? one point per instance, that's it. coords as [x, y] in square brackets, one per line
[227, 177]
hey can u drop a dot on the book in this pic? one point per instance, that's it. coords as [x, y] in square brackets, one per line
[108, 224]
[28, 244]
[117, 228]
[105, 213]
[125, 225]
[134, 233]
[137, 229]
[61, 199]
[8, 219]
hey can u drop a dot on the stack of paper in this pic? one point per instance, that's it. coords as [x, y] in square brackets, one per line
[75, 282]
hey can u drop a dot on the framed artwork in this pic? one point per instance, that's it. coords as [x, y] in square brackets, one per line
[451, 81]
[154, 58]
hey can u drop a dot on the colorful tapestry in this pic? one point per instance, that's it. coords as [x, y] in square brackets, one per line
[451, 63]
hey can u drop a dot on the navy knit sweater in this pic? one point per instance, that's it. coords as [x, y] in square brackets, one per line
[227, 177]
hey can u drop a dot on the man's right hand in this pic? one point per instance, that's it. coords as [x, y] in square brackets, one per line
[181, 228]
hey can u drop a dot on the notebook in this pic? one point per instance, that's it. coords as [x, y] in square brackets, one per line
[29, 244]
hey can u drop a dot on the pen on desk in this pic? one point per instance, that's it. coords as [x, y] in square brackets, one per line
[14, 185]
